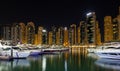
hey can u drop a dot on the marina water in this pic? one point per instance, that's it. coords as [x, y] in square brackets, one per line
[75, 60]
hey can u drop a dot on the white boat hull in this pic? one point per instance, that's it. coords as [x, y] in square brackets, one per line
[109, 53]
[108, 63]
[35, 52]
[108, 56]
[55, 49]
[16, 54]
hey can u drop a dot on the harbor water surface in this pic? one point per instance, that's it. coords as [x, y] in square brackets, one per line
[74, 60]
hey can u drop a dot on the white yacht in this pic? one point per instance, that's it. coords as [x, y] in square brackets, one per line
[104, 46]
[112, 51]
[94, 49]
[108, 63]
[14, 52]
[91, 50]
[35, 51]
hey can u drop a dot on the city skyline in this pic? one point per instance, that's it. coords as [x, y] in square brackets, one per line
[91, 25]
[94, 34]
[61, 13]
[87, 33]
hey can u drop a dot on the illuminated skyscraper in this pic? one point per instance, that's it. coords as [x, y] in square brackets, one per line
[7, 32]
[66, 41]
[36, 39]
[78, 35]
[90, 26]
[50, 38]
[70, 36]
[40, 34]
[115, 29]
[22, 32]
[97, 34]
[44, 37]
[112, 28]
[73, 31]
[108, 29]
[118, 21]
[83, 33]
[61, 31]
[30, 33]
[58, 37]
[15, 33]
[54, 34]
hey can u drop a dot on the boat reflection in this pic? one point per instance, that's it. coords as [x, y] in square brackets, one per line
[21, 63]
[108, 63]
[9, 65]
[34, 58]
[92, 55]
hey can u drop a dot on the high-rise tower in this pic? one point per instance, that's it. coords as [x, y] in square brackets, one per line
[108, 29]
[97, 34]
[115, 30]
[118, 21]
[54, 34]
[58, 37]
[15, 33]
[7, 32]
[61, 35]
[83, 33]
[73, 32]
[22, 32]
[78, 35]
[44, 37]
[66, 41]
[40, 35]
[90, 28]
[50, 34]
[30, 33]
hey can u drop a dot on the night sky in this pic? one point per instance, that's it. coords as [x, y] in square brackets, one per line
[53, 12]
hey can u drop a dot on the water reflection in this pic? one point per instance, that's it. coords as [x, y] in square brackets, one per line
[65, 64]
[20, 63]
[43, 64]
[9, 65]
[108, 63]
[54, 62]
[4, 67]
[92, 55]
[34, 58]
[75, 60]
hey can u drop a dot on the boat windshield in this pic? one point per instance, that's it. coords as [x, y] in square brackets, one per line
[118, 48]
[16, 48]
[110, 47]
[6, 48]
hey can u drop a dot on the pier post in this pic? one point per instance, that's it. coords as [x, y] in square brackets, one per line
[11, 52]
